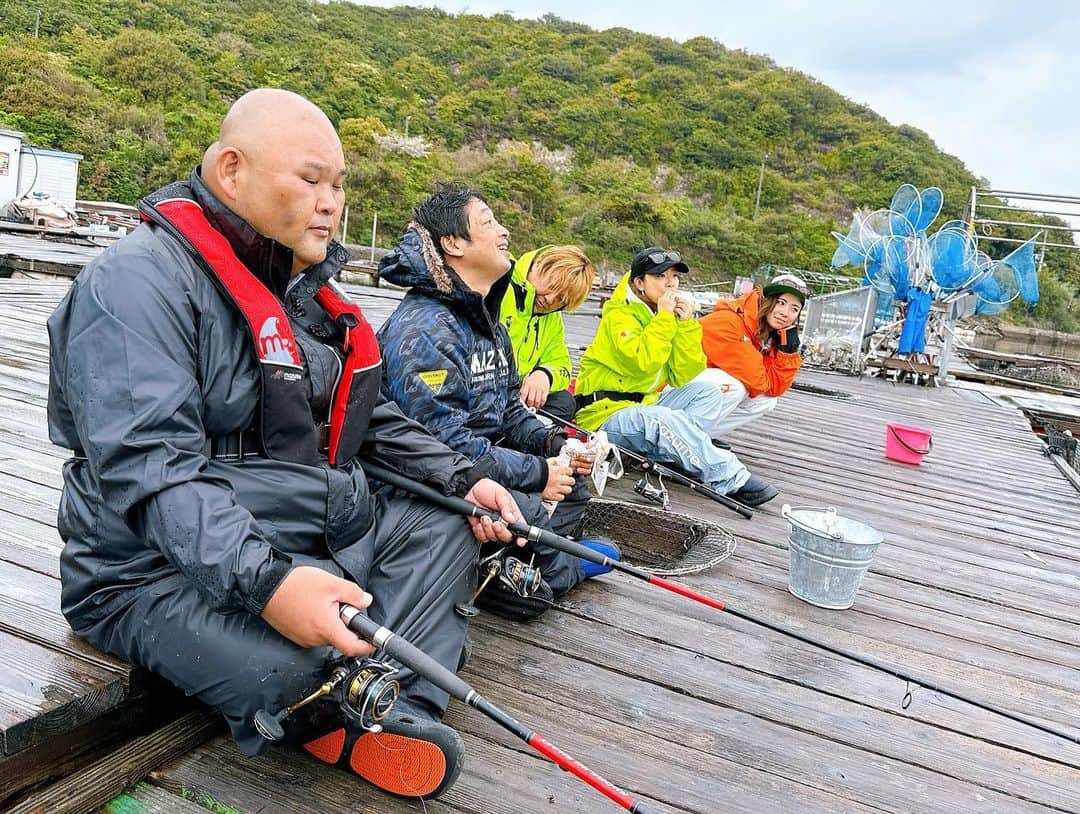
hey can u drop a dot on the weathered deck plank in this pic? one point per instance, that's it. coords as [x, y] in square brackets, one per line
[974, 589]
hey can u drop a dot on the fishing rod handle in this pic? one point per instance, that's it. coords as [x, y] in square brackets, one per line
[574, 548]
[530, 533]
[406, 652]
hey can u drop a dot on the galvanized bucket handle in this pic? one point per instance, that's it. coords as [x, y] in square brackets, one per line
[786, 510]
[909, 448]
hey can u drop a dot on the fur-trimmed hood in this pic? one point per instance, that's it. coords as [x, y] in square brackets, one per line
[417, 265]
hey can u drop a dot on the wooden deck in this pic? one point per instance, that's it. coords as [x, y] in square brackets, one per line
[974, 588]
[34, 254]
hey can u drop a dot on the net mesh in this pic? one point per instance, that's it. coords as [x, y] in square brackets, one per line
[997, 288]
[897, 256]
[930, 200]
[666, 543]
[1023, 262]
[953, 258]
[905, 208]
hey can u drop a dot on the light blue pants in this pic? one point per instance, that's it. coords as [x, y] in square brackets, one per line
[737, 407]
[675, 431]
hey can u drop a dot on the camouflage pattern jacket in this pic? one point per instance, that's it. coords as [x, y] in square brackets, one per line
[449, 365]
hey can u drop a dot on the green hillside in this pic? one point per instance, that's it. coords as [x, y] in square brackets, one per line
[610, 139]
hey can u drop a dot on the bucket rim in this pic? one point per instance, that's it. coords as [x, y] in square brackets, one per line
[787, 509]
[902, 426]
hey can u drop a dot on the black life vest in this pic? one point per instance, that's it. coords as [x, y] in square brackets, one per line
[284, 422]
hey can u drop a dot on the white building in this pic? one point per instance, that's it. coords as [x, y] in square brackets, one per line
[25, 169]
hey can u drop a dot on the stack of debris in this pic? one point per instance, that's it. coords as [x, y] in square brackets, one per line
[39, 209]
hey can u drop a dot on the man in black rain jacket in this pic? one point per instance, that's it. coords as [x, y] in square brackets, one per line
[207, 536]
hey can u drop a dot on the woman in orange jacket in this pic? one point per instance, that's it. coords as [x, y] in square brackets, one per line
[752, 347]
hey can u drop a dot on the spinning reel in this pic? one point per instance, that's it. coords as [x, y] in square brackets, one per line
[656, 492]
[521, 578]
[364, 689]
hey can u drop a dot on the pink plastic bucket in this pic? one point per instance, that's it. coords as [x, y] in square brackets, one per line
[907, 444]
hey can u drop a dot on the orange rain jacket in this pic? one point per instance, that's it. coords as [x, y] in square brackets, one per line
[729, 338]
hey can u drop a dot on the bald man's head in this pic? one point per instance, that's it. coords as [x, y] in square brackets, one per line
[278, 164]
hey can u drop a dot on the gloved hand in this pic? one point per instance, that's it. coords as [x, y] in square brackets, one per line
[787, 341]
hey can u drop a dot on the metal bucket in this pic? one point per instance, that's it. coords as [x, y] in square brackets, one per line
[827, 555]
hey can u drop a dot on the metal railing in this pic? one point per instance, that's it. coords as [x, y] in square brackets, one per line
[985, 224]
[816, 281]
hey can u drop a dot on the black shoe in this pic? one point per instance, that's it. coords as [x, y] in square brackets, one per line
[413, 756]
[716, 442]
[755, 492]
[499, 599]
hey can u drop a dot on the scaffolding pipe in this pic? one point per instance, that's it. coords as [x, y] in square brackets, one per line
[1034, 211]
[1039, 226]
[1027, 196]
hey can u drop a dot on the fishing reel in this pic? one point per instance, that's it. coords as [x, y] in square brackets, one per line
[521, 578]
[656, 492]
[364, 689]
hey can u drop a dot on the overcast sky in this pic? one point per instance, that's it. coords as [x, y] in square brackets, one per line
[995, 83]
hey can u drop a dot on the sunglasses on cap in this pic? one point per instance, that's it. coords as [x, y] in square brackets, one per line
[656, 258]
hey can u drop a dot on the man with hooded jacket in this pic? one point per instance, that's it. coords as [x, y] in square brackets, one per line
[211, 532]
[449, 364]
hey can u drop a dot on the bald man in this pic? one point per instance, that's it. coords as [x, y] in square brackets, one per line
[214, 513]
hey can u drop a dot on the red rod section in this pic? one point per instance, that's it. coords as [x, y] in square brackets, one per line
[675, 587]
[580, 770]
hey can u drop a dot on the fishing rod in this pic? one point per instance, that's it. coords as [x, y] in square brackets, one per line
[535, 534]
[650, 466]
[426, 667]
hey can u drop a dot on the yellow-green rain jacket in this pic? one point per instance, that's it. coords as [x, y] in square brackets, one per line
[636, 351]
[539, 340]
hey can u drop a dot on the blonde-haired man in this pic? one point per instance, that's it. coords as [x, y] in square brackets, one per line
[543, 283]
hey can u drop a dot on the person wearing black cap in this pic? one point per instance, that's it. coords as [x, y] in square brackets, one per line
[752, 346]
[636, 379]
